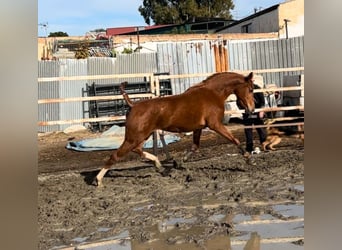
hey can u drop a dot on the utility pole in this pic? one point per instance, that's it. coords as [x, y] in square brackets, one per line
[286, 29]
[45, 26]
[138, 37]
[44, 57]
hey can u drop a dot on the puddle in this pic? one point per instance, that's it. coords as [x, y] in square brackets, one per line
[107, 245]
[117, 242]
[272, 229]
[103, 229]
[79, 239]
[290, 210]
[149, 206]
[274, 233]
[217, 217]
[299, 188]
[256, 232]
[239, 218]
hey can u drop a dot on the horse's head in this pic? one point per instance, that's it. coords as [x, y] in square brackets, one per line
[244, 94]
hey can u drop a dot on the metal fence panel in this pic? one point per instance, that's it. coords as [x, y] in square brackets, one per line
[135, 63]
[123, 64]
[171, 57]
[50, 111]
[71, 88]
[267, 54]
[185, 58]
[101, 66]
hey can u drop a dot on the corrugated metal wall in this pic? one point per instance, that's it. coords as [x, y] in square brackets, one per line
[185, 58]
[47, 90]
[173, 58]
[123, 64]
[270, 54]
[136, 63]
[71, 88]
[101, 66]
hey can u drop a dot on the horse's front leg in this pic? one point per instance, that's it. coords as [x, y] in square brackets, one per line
[220, 129]
[196, 136]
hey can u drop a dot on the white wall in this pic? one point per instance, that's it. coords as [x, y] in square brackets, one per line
[265, 23]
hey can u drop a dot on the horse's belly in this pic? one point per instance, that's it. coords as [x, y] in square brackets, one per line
[183, 128]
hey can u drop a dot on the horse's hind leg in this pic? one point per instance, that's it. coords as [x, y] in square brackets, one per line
[146, 155]
[166, 151]
[196, 136]
[117, 154]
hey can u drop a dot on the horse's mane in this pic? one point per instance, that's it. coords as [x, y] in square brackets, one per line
[209, 80]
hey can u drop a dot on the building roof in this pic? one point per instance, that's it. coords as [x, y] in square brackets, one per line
[259, 13]
[130, 29]
[199, 25]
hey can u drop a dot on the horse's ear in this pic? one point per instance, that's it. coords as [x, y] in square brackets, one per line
[249, 77]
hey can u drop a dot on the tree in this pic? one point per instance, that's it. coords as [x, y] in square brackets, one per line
[181, 11]
[58, 34]
[99, 30]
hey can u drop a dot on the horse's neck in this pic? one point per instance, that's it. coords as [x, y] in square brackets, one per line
[226, 90]
[222, 90]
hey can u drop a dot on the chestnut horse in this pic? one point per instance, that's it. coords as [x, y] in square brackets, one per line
[200, 106]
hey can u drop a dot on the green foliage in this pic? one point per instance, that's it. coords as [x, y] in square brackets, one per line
[127, 51]
[181, 11]
[99, 30]
[58, 34]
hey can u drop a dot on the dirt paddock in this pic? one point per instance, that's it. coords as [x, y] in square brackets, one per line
[190, 207]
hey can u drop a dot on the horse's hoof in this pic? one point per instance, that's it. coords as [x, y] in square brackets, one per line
[160, 170]
[186, 158]
[177, 164]
[158, 165]
[187, 155]
[241, 149]
[97, 183]
[164, 171]
[251, 161]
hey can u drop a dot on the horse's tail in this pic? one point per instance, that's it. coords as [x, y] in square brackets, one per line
[124, 94]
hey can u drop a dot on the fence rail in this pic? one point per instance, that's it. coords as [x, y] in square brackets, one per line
[117, 97]
[121, 118]
[92, 77]
[154, 87]
[92, 98]
[188, 62]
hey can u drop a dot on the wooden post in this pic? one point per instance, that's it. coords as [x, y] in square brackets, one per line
[225, 59]
[155, 142]
[217, 59]
[157, 86]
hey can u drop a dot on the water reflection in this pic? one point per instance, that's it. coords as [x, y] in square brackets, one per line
[281, 228]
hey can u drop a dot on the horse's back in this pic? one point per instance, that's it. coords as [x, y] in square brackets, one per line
[178, 113]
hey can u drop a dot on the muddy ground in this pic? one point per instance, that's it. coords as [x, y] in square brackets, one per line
[135, 199]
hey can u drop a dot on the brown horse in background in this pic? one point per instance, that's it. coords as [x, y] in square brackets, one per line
[200, 106]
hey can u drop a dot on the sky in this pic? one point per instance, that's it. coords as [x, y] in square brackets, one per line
[76, 17]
